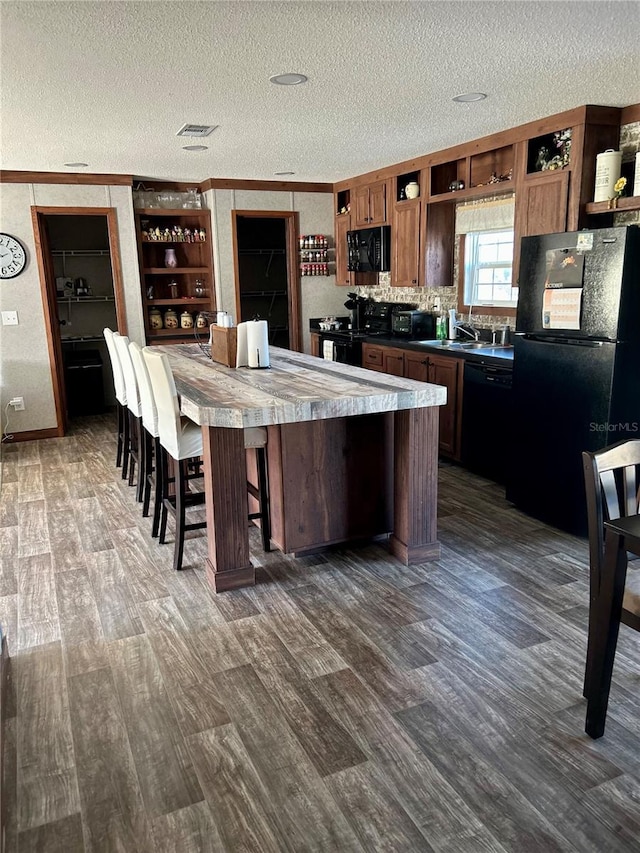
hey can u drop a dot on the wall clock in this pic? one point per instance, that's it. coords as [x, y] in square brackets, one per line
[13, 257]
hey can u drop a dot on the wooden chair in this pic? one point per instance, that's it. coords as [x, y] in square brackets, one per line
[149, 441]
[612, 483]
[181, 441]
[121, 399]
[133, 413]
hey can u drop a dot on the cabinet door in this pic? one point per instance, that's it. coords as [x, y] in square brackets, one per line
[416, 366]
[541, 208]
[373, 357]
[378, 203]
[393, 361]
[361, 199]
[315, 344]
[448, 372]
[343, 224]
[405, 237]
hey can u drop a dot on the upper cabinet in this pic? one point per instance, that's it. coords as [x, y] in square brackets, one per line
[343, 224]
[370, 204]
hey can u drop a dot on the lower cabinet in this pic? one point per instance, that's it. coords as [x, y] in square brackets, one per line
[425, 367]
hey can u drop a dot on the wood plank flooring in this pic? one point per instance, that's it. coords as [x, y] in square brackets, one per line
[346, 703]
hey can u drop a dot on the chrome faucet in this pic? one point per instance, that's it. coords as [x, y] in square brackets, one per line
[471, 331]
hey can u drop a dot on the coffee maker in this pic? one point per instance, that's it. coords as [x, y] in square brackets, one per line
[357, 305]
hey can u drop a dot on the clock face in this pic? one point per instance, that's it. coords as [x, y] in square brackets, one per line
[13, 257]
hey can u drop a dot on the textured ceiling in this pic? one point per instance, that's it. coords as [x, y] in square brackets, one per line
[110, 83]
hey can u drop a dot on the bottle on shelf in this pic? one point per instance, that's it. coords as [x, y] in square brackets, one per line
[173, 288]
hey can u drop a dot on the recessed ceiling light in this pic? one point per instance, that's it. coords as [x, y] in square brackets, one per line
[284, 173]
[288, 79]
[76, 165]
[195, 147]
[468, 97]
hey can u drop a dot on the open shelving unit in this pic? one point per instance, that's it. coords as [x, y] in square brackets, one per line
[194, 262]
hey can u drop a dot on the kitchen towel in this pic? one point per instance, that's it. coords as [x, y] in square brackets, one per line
[328, 351]
[253, 344]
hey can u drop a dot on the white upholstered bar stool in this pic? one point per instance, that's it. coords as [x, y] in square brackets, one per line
[181, 439]
[150, 439]
[134, 411]
[121, 396]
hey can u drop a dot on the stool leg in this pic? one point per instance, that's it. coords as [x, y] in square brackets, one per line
[263, 498]
[120, 431]
[134, 448]
[148, 473]
[164, 496]
[126, 439]
[180, 514]
[158, 490]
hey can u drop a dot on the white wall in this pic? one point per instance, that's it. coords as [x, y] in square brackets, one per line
[24, 357]
[319, 294]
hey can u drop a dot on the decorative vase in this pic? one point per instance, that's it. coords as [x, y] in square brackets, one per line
[412, 190]
[170, 259]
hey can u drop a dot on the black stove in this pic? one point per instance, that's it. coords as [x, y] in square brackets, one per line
[345, 345]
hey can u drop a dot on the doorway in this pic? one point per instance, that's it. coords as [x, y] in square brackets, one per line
[266, 272]
[78, 259]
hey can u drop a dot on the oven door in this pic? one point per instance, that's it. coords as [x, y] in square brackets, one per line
[342, 350]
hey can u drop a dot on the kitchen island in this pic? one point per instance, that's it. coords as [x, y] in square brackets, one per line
[351, 455]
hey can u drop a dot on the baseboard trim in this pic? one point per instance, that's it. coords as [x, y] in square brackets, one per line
[34, 435]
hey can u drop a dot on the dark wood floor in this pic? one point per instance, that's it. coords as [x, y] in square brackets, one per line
[346, 703]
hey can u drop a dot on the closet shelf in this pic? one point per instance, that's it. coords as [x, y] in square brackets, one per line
[86, 298]
[82, 253]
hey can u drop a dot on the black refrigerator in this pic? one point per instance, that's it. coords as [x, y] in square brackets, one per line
[576, 376]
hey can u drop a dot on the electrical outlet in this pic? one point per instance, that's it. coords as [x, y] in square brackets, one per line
[17, 403]
[9, 318]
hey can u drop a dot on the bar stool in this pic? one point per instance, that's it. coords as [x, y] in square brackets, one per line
[121, 397]
[133, 413]
[181, 439]
[150, 468]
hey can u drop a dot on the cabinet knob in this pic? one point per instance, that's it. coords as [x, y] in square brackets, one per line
[414, 281]
[425, 362]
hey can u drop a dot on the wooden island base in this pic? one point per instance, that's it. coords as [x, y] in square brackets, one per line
[330, 481]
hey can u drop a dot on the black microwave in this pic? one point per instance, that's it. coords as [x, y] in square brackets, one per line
[369, 249]
[414, 324]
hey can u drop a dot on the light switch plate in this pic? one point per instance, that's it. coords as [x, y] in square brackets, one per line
[9, 318]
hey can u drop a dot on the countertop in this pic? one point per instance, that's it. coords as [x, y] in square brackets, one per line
[489, 354]
[296, 388]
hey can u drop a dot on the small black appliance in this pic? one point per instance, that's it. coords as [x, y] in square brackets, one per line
[414, 325]
[369, 249]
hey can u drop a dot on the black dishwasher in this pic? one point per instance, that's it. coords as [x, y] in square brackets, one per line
[486, 419]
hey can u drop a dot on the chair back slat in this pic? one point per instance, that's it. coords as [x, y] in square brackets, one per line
[166, 399]
[630, 493]
[116, 369]
[131, 386]
[147, 401]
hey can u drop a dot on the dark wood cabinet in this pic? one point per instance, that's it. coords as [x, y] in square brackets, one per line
[425, 367]
[370, 204]
[315, 344]
[406, 243]
[541, 208]
[343, 276]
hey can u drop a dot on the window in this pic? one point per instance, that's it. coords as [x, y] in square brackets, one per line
[487, 269]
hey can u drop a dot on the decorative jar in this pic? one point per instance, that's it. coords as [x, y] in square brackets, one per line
[412, 190]
[155, 318]
[186, 320]
[170, 319]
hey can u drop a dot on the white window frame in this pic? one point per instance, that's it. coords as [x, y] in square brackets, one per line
[472, 266]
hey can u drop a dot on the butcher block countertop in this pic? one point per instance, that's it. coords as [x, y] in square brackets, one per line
[296, 388]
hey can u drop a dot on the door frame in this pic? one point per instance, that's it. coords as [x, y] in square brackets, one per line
[48, 291]
[293, 277]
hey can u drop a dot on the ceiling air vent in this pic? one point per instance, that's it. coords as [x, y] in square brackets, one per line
[197, 130]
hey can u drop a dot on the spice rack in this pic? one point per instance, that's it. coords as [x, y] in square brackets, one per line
[313, 255]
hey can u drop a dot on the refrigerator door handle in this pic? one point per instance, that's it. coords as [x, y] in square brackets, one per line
[549, 339]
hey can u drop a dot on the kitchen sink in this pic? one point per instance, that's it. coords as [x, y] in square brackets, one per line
[463, 345]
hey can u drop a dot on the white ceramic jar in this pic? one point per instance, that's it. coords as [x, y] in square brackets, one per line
[608, 165]
[412, 190]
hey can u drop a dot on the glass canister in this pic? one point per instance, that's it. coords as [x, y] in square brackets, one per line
[170, 319]
[155, 318]
[186, 320]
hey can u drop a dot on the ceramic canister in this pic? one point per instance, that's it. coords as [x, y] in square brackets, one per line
[186, 320]
[170, 319]
[412, 190]
[608, 166]
[636, 181]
